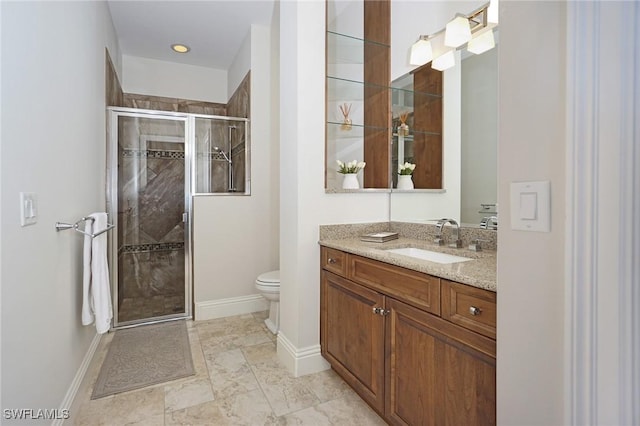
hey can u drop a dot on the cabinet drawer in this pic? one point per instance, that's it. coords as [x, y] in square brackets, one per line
[334, 261]
[469, 307]
[415, 288]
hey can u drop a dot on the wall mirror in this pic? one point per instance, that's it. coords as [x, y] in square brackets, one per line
[469, 153]
[358, 97]
[467, 190]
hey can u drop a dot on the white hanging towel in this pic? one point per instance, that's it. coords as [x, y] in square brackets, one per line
[96, 291]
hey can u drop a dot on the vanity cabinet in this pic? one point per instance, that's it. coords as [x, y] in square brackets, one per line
[386, 330]
[353, 337]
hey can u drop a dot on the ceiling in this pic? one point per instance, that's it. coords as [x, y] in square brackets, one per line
[213, 29]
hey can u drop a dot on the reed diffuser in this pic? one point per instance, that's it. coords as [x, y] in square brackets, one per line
[346, 120]
[403, 128]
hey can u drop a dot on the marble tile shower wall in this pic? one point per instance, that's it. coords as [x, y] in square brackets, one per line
[113, 90]
[239, 106]
[159, 103]
[214, 133]
[151, 203]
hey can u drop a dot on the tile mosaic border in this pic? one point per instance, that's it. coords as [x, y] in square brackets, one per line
[144, 248]
[152, 153]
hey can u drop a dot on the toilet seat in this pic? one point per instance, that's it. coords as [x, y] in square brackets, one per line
[269, 279]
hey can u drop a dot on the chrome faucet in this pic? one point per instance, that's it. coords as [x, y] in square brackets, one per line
[439, 240]
[457, 243]
[489, 222]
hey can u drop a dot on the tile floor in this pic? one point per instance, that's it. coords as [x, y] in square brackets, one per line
[238, 381]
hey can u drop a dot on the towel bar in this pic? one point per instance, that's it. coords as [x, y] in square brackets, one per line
[61, 226]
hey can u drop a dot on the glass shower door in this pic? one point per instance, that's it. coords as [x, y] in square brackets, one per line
[152, 204]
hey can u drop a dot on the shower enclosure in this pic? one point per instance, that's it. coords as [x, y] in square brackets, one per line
[156, 162]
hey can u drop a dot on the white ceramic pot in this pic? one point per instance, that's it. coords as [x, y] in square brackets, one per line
[350, 181]
[405, 182]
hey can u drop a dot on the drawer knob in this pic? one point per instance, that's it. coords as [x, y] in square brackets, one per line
[474, 311]
[332, 260]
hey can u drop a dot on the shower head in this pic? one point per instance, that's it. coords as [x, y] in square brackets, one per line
[224, 154]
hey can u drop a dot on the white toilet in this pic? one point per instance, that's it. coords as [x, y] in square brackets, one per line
[268, 284]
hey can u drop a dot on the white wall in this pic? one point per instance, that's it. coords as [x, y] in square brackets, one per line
[234, 237]
[173, 80]
[531, 272]
[241, 65]
[304, 205]
[275, 125]
[53, 144]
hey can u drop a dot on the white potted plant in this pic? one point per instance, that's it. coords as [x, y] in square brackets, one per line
[350, 171]
[405, 175]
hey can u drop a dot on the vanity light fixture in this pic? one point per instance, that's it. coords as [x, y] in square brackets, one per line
[180, 48]
[457, 32]
[444, 62]
[421, 51]
[482, 42]
[476, 29]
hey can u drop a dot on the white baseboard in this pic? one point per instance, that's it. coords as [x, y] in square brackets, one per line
[77, 380]
[220, 308]
[300, 362]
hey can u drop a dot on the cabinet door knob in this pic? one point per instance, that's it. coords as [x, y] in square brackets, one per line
[381, 311]
[331, 260]
[474, 311]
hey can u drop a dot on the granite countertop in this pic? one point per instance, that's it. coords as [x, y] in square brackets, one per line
[479, 272]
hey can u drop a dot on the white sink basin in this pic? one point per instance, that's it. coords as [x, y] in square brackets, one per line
[431, 256]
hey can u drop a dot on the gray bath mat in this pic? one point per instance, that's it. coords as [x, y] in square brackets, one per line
[144, 356]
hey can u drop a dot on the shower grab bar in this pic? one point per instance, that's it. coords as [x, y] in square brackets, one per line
[61, 226]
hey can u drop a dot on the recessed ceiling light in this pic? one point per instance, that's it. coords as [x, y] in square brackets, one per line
[180, 48]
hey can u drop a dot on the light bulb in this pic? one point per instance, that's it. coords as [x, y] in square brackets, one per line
[481, 43]
[457, 32]
[421, 52]
[180, 48]
[444, 62]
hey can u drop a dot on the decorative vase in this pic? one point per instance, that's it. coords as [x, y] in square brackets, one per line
[350, 181]
[405, 182]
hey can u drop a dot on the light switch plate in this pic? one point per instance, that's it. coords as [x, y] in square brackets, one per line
[531, 206]
[28, 208]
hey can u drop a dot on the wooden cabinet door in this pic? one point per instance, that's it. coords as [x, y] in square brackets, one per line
[437, 373]
[351, 335]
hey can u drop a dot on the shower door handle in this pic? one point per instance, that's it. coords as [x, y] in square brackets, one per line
[185, 217]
